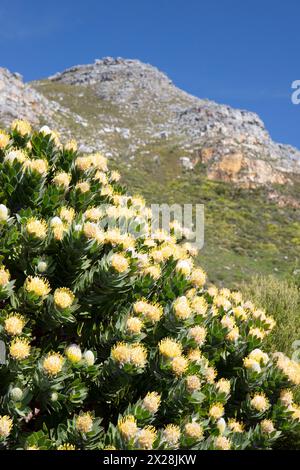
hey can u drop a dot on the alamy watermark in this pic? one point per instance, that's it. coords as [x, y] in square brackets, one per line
[296, 94]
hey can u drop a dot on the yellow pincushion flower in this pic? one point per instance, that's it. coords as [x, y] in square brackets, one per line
[127, 427]
[121, 353]
[39, 165]
[223, 386]
[210, 374]
[171, 434]
[102, 178]
[119, 263]
[199, 305]
[17, 155]
[233, 334]
[151, 402]
[19, 349]
[198, 334]
[267, 426]
[295, 412]
[216, 411]
[14, 324]
[37, 285]
[36, 228]
[184, 267]
[153, 271]
[260, 402]
[134, 325]
[193, 383]
[84, 423]
[138, 355]
[212, 291]
[4, 139]
[58, 232]
[66, 446]
[53, 364]
[83, 187]
[240, 313]
[146, 437]
[286, 397]
[228, 322]
[290, 368]
[21, 126]
[182, 309]
[194, 355]
[115, 176]
[222, 443]
[4, 276]
[198, 277]
[63, 297]
[94, 214]
[151, 312]
[99, 161]
[6, 425]
[179, 365]
[170, 348]
[93, 232]
[222, 301]
[73, 353]
[193, 430]
[257, 333]
[67, 214]
[259, 356]
[62, 179]
[71, 145]
[235, 426]
[83, 163]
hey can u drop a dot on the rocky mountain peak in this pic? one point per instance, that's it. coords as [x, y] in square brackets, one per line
[125, 107]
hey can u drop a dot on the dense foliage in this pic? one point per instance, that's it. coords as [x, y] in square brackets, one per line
[112, 339]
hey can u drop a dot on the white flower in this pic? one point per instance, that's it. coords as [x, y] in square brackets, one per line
[55, 221]
[45, 130]
[16, 394]
[221, 425]
[3, 213]
[42, 266]
[89, 358]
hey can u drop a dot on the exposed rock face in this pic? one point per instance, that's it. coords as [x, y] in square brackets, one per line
[126, 107]
[20, 100]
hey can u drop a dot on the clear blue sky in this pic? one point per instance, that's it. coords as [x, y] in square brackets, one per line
[245, 53]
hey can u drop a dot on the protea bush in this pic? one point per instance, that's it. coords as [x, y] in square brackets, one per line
[115, 340]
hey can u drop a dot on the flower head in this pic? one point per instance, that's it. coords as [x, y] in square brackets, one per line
[14, 324]
[260, 402]
[198, 334]
[198, 277]
[84, 423]
[193, 430]
[71, 145]
[4, 139]
[62, 179]
[37, 285]
[53, 364]
[63, 297]
[235, 426]
[146, 437]
[4, 276]
[171, 434]
[6, 425]
[222, 443]
[170, 348]
[127, 427]
[21, 126]
[119, 263]
[19, 349]
[36, 228]
[181, 308]
[193, 383]
[151, 402]
[73, 353]
[223, 386]
[66, 446]
[216, 411]
[179, 365]
[267, 426]
[134, 325]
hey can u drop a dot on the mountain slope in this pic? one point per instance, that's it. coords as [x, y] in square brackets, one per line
[173, 147]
